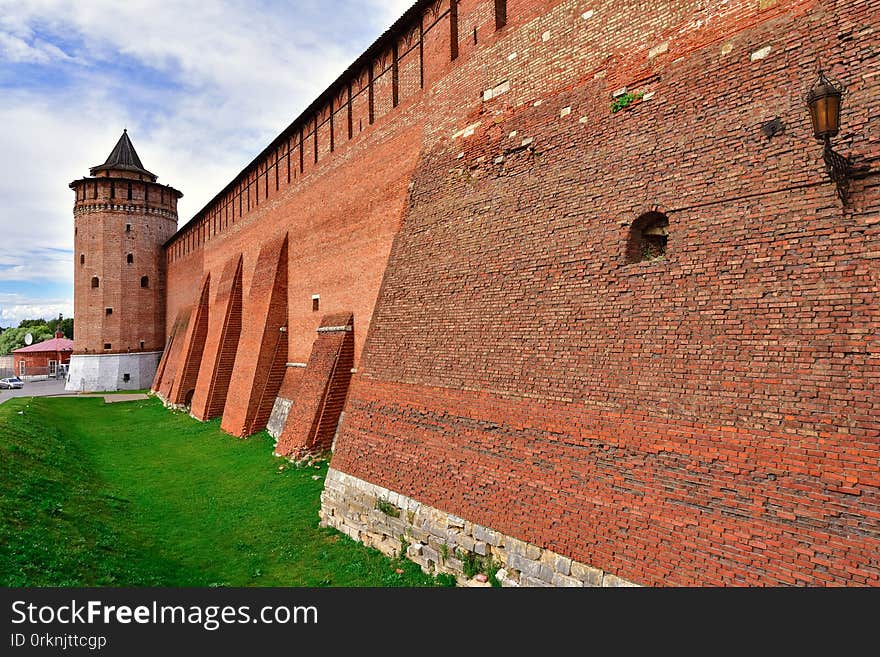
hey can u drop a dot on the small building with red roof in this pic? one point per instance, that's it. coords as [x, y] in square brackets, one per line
[44, 358]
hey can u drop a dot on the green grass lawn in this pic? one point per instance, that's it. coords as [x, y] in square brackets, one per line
[132, 494]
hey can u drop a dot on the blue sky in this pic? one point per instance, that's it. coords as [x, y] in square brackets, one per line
[201, 86]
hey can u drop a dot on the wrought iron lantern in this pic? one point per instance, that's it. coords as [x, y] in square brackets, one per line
[823, 101]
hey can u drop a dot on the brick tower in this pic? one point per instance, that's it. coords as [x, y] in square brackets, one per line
[122, 217]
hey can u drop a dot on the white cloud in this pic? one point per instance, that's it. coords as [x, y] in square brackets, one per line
[16, 49]
[16, 307]
[201, 87]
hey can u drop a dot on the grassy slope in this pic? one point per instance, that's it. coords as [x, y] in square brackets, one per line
[131, 494]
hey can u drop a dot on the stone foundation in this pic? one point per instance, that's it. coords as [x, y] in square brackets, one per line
[441, 542]
[100, 372]
[278, 417]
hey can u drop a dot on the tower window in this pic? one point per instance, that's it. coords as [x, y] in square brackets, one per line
[143, 344]
[127, 228]
[500, 14]
[129, 258]
[146, 193]
[108, 311]
[82, 258]
[107, 345]
[126, 377]
[129, 191]
[145, 281]
[112, 190]
[316, 302]
[95, 282]
[648, 237]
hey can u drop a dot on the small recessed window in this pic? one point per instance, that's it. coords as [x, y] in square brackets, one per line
[127, 228]
[129, 191]
[316, 302]
[107, 345]
[143, 344]
[129, 258]
[500, 14]
[112, 190]
[108, 311]
[648, 237]
[82, 258]
[95, 281]
[145, 281]
[126, 377]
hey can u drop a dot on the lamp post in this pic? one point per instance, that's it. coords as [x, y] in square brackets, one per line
[823, 101]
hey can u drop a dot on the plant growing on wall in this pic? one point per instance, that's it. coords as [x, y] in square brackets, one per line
[387, 508]
[625, 100]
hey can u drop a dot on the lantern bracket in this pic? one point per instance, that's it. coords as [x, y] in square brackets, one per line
[839, 168]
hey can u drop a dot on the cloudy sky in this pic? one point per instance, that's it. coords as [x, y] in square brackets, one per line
[202, 86]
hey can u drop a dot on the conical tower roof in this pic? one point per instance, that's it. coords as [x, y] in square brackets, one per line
[123, 157]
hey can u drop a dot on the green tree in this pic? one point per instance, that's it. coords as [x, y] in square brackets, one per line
[31, 323]
[63, 325]
[13, 338]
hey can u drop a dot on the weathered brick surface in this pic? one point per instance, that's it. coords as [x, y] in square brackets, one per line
[436, 539]
[707, 418]
[221, 345]
[192, 349]
[171, 357]
[262, 347]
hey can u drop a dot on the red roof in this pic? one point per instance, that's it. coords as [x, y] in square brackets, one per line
[54, 345]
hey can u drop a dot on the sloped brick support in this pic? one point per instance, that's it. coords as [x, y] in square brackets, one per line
[170, 362]
[263, 343]
[318, 402]
[193, 346]
[281, 408]
[163, 363]
[221, 345]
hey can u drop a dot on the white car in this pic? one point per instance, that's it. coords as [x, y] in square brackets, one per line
[11, 382]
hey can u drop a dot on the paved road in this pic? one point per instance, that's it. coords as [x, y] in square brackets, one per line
[53, 388]
[35, 389]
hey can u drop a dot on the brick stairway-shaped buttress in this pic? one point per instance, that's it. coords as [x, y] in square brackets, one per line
[320, 397]
[221, 345]
[193, 345]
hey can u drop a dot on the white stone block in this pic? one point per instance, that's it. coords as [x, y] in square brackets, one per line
[659, 49]
[760, 54]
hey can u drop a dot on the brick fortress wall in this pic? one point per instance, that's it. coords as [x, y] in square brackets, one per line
[466, 195]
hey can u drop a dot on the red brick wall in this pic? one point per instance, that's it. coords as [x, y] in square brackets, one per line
[340, 226]
[37, 362]
[710, 418]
